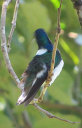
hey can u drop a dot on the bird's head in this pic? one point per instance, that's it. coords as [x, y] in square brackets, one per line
[43, 40]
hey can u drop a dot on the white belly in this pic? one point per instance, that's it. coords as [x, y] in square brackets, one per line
[57, 71]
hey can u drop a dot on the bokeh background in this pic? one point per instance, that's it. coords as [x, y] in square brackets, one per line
[64, 97]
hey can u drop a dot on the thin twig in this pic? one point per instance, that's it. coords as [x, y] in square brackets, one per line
[59, 107]
[55, 43]
[50, 115]
[53, 57]
[13, 24]
[4, 42]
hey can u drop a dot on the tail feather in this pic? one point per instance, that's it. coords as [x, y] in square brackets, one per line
[21, 98]
[28, 97]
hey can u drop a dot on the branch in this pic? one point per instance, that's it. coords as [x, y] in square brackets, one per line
[55, 45]
[50, 73]
[78, 6]
[13, 24]
[4, 42]
[74, 109]
[50, 115]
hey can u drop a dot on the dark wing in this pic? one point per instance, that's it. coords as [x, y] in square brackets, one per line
[34, 88]
[34, 77]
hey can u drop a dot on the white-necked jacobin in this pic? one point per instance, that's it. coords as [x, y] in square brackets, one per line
[37, 70]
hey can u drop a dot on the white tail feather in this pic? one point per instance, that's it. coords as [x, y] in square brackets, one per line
[21, 98]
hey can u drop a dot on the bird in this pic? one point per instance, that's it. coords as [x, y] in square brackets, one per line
[37, 70]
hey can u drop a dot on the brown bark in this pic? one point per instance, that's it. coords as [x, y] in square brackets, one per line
[78, 6]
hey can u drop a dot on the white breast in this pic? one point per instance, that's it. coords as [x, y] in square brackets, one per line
[57, 71]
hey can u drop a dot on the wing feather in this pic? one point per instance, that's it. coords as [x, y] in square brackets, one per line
[34, 77]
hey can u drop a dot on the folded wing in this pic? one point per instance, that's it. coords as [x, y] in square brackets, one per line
[34, 77]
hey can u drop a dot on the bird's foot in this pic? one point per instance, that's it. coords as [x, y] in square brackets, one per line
[38, 100]
[34, 101]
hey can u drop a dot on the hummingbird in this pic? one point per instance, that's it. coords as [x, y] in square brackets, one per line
[37, 71]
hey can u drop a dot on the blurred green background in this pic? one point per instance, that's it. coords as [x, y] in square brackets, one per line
[64, 97]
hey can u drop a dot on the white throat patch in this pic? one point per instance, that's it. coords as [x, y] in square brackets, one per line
[41, 51]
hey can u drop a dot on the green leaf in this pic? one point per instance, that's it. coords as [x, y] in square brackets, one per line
[63, 25]
[56, 3]
[70, 52]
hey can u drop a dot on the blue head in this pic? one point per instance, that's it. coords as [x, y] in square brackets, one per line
[43, 40]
